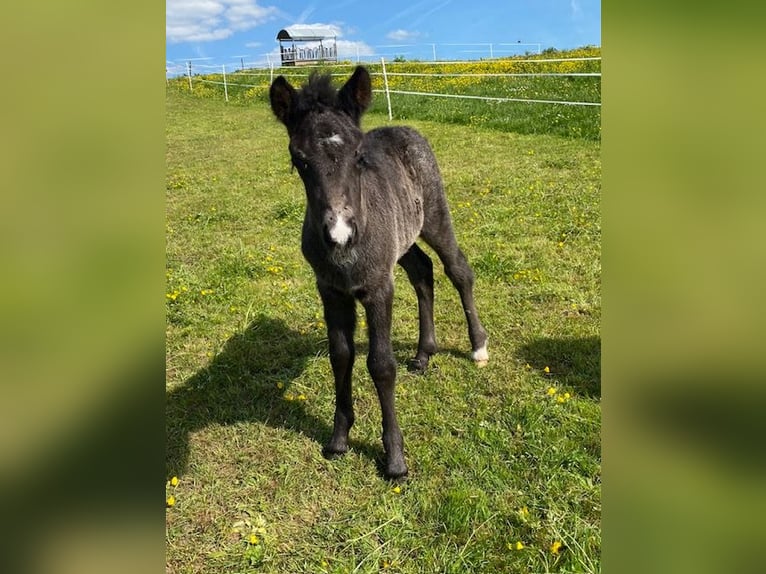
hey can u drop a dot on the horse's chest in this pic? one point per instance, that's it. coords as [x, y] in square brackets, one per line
[337, 268]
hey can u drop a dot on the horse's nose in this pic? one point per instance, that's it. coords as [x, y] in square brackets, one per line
[339, 229]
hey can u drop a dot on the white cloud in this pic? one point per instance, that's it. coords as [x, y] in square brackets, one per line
[574, 6]
[402, 35]
[348, 50]
[208, 20]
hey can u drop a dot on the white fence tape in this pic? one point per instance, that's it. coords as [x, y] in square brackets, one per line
[387, 91]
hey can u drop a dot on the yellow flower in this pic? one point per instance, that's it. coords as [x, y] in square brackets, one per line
[252, 539]
[547, 370]
[174, 481]
[280, 385]
[171, 500]
[555, 547]
[551, 391]
[560, 399]
[396, 489]
[524, 513]
[567, 396]
[301, 397]
[519, 545]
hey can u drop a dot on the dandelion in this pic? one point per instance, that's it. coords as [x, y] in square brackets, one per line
[171, 500]
[252, 539]
[551, 391]
[519, 545]
[555, 547]
[300, 397]
[397, 489]
[524, 513]
[174, 481]
[289, 397]
[547, 370]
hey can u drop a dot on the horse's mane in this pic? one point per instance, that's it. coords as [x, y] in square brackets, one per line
[317, 93]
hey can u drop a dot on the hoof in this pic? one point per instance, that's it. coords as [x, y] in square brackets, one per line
[396, 473]
[481, 356]
[332, 453]
[417, 365]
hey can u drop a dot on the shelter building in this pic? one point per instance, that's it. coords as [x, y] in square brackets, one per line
[302, 44]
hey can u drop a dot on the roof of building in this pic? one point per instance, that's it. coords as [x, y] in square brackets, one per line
[303, 32]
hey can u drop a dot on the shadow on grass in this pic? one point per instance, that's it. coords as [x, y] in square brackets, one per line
[239, 385]
[575, 362]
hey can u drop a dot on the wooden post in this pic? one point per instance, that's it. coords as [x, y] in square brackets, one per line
[385, 83]
[225, 89]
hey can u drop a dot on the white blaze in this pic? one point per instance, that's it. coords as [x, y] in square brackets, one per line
[341, 231]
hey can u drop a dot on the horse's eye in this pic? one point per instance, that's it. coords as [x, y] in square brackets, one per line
[298, 162]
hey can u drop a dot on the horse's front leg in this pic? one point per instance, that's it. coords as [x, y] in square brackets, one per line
[378, 305]
[340, 317]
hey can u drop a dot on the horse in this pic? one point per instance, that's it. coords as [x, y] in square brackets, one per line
[369, 196]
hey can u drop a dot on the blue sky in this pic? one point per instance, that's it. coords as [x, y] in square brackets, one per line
[230, 32]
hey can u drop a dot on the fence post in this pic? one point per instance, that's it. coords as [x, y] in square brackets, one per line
[385, 83]
[271, 72]
[225, 89]
[188, 73]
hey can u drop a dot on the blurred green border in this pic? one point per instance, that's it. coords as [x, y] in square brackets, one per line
[81, 300]
[683, 268]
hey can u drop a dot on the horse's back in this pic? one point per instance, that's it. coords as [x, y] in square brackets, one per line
[406, 147]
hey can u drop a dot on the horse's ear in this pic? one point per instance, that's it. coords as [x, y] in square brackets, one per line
[355, 96]
[282, 96]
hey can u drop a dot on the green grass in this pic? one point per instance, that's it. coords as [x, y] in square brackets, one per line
[249, 385]
[477, 78]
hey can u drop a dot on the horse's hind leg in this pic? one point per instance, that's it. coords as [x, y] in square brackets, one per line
[420, 271]
[340, 316]
[441, 237]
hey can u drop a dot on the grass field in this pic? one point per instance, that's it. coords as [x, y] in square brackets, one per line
[505, 463]
[482, 78]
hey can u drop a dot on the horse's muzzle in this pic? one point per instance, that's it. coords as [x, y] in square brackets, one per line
[339, 229]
